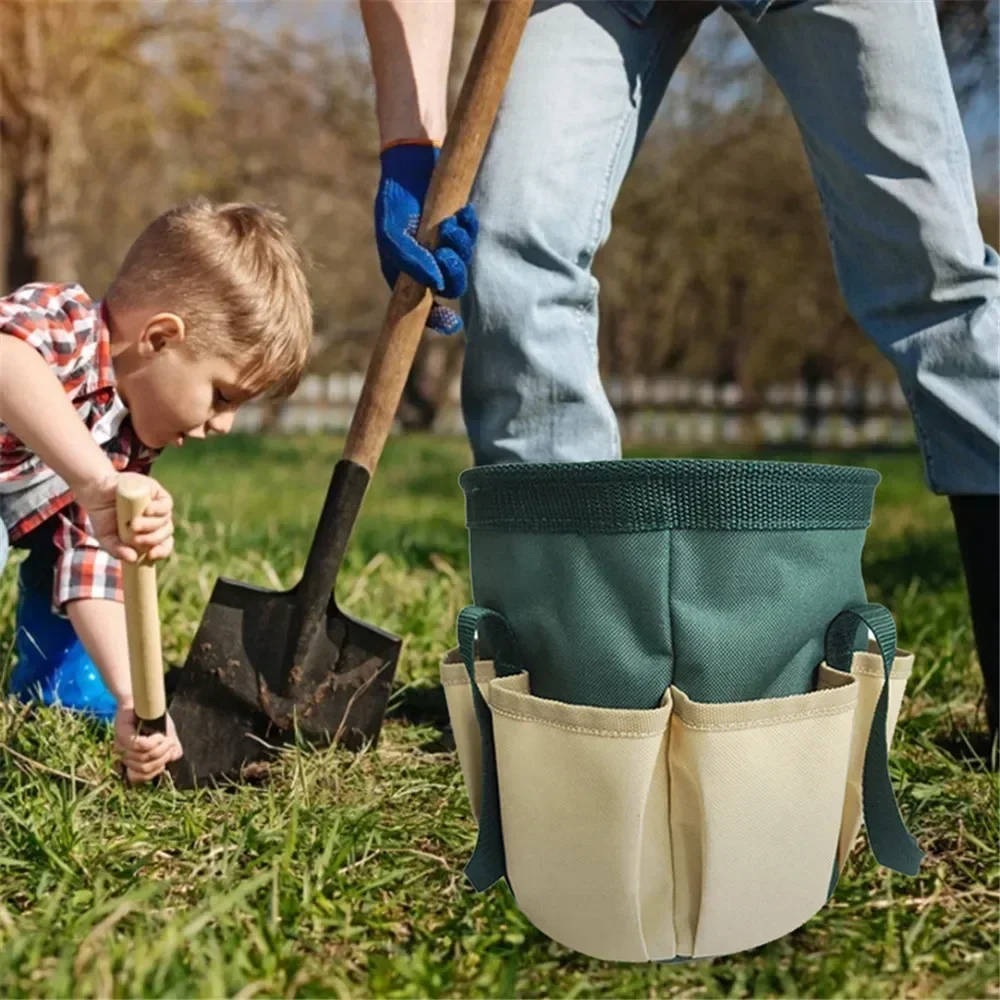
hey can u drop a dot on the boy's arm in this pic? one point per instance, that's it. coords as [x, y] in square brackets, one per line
[410, 47]
[88, 586]
[100, 626]
[34, 405]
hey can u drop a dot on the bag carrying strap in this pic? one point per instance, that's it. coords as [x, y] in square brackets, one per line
[891, 843]
[488, 863]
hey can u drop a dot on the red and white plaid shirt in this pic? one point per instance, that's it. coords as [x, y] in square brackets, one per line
[69, 330]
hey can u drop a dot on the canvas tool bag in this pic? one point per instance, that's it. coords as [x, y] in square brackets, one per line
[668, 710]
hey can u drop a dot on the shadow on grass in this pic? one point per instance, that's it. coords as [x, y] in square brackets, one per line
[419, 705]
[929, 556]
[971, 749]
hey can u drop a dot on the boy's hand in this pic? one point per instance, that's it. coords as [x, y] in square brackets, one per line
[154, 530]
[144, 756]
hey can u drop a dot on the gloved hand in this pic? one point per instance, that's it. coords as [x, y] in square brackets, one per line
[406, 175]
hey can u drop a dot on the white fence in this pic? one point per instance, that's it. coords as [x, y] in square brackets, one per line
[658, 409]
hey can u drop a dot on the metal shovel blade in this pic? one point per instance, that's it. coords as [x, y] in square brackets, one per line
[265, 665]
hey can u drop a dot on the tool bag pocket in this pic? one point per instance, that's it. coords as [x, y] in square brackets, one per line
[465, 726]
[693, 829]
[584, 810]
[756, 801]
[688, 830]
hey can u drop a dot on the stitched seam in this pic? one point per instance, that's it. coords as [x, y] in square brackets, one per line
[485, 671]
[616, 734]
[816, 713]
[601, 213]
[866, 671]
[910, 392]
[601, 209]
[587, 307]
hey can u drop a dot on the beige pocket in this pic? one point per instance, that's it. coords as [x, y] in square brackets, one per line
[756, 797]
[583, 803]
[464, 723]
[869, 669]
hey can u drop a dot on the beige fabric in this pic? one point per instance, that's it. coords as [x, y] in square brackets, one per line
[583, 803]
[869, 670]
[464, 724]
[742, 804]
[756, 793]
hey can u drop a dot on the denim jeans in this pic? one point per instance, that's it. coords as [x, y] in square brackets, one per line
[869, 88]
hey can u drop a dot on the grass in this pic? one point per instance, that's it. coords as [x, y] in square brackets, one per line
[343, 876]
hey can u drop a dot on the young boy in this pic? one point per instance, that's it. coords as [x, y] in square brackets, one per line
[209, 309]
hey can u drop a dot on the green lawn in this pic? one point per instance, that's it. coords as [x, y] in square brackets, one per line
[343, 876]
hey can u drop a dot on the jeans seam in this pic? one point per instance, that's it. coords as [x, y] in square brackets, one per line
[601, 210]
[833, 217]
[910, 394]
[955, 136]
[590, 247]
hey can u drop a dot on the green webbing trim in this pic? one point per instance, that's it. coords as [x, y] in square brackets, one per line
[834, 879]
[657, 495]
[890, 841]
[488, 863]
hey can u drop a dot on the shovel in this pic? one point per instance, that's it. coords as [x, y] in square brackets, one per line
[264, 664]
[142, 617]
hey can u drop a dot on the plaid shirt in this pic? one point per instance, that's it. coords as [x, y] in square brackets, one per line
[69, 330]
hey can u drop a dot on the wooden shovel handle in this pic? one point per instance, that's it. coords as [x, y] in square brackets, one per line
[142, 618]
[451, 183]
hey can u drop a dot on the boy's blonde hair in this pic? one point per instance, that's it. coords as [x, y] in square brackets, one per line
[235, 276]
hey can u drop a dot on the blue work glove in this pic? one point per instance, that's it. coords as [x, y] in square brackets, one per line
[406, 175]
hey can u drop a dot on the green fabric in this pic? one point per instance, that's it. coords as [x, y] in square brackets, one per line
[834, 879]
[749, 609]
[890, 841]
[655, 495]
[613, 620]
[487, 864]
[592, 612]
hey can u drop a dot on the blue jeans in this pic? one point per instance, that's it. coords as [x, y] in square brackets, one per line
[869, 87]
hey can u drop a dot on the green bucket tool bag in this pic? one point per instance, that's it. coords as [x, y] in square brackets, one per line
[674, 719]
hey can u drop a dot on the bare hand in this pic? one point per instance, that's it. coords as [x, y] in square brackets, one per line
[153, 529]
[145, 756]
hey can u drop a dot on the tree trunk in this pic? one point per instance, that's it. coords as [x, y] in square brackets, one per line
[437, 364]
[62, 165]
[21, 263]
[42, 160]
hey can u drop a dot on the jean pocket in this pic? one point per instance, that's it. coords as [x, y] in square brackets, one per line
[583, 802]
[756, 801]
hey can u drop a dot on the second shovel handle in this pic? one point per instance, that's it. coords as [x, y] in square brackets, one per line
[142, 616]
[449, 190]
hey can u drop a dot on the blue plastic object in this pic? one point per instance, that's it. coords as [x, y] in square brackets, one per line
[52, 665]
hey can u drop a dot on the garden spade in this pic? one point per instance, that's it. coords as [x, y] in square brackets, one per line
[142, 617]
[265, 665]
